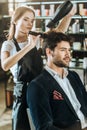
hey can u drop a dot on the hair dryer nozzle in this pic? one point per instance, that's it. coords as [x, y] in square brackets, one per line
[42, 35]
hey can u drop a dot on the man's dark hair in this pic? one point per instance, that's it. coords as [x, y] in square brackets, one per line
[53, 38]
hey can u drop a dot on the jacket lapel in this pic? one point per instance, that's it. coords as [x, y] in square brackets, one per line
[77, 85]
[56, 86]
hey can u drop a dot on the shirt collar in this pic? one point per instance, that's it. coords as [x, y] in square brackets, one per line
[54, 73]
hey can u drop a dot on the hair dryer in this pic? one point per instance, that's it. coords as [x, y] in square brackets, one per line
[61, 11]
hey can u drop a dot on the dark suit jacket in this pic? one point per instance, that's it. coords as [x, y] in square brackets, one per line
[49, 105]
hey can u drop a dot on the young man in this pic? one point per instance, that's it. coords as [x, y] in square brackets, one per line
[57, 98]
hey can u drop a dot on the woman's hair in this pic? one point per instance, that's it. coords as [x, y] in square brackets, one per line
[16, 16]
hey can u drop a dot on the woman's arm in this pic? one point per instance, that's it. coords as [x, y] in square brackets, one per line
[8, 61]
[64, 24]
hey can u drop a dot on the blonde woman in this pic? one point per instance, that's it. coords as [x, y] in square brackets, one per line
[21, 23]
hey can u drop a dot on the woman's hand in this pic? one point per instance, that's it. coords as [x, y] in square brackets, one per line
[33, 41]
[65, 22]
[72, 12]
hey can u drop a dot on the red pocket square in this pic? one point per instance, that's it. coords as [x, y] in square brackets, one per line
[57, 95]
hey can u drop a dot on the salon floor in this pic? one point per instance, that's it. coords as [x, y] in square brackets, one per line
[5, 113]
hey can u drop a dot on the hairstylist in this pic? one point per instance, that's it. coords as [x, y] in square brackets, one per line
[21, 23]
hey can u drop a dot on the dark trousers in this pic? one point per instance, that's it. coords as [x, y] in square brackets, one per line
[20, 119]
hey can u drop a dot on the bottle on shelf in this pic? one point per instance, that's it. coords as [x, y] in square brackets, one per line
[85, 44]
[76, 46]
[81, 23]
[85, 62]
[85, 25]
[75, 26]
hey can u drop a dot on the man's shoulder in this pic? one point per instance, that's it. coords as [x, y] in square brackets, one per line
[72, 72]
[74, 75]
[42, 76]
[39, 83]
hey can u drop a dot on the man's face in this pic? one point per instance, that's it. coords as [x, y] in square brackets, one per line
[61, 55]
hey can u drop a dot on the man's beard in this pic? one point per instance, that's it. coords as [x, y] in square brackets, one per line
[60, 64]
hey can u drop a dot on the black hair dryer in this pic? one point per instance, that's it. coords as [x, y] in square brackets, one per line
[61, 11]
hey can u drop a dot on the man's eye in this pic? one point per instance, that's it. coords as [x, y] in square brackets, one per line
[32, 21]
[62, 49]
[70, 50]
[25, 19]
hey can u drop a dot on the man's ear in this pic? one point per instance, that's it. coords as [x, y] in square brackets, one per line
[48, 51]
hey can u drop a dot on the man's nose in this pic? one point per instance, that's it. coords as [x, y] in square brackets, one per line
[68, 52]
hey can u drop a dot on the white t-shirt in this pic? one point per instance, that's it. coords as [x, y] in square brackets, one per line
[10, 47]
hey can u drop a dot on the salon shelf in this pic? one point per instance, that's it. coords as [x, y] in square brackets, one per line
[73, 17]
[79, 17]
[80, 54]
[78, 34]
[39, 2]
[80, 68]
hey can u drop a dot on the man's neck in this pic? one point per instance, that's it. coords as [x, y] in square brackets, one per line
[59, 70]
